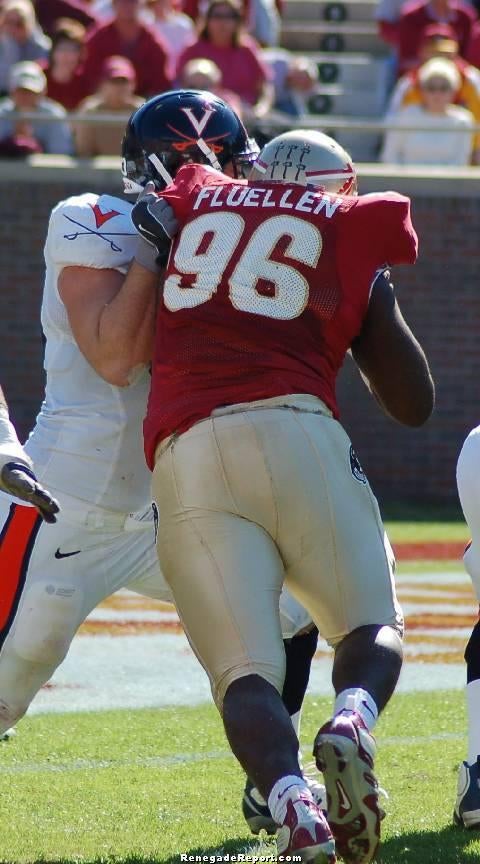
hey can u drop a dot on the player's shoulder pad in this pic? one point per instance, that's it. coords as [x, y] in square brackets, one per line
[91, 231]
[385, 218]
[188, 180]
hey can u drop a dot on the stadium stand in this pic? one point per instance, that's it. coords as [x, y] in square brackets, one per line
[341, 39]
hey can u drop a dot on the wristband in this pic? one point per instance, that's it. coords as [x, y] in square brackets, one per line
[146, 255]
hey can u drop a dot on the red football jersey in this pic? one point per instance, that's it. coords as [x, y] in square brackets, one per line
[267, 286]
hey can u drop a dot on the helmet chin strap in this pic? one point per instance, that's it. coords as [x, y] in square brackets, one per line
[158, 164]
[208, 152]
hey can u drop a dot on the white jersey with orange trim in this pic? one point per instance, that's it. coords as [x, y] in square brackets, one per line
[87, 441]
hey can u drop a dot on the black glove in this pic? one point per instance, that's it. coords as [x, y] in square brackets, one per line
[155, 221]
[18, 480]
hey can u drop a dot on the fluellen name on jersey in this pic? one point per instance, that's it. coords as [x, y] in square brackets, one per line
[311, 201]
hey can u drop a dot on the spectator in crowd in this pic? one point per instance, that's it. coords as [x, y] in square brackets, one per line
[20, 38]
[294, 79]
[387, 15]
[473, 50]
[262, 17]
[27, 93]
[203, 74]
[222, 40]
[49, 11]
[116, 95]
[439, 80]
[176, 30]
[416, 17]
[67, 82]
[439, 41]
[127, 35]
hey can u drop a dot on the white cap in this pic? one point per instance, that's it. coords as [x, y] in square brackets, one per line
[28, 76]
[440, 67]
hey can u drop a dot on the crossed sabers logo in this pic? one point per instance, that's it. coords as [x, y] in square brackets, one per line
[100, 219]
[287, 162]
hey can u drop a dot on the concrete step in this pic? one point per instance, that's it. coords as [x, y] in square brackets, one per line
[336, 11]
[325, 36]
[330, 100]
[355, 72]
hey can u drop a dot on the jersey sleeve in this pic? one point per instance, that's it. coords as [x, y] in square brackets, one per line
[383, 226]
[91, 231]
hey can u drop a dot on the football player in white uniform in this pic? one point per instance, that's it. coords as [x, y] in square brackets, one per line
[467, 807]
[87, 441]
[16, 470]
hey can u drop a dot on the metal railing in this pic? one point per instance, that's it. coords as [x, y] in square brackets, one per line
[273, 119]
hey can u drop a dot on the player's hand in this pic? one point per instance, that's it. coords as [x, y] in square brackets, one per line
[18, 480]
[155, 221]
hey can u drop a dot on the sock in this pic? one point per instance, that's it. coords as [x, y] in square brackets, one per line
[286, 789]
[357, 701]
[296, 718]
[473, 714]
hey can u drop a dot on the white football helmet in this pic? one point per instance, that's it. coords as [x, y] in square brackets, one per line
[309, 158]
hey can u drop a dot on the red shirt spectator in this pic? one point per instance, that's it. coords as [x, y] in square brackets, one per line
[125, 35]
[460, 16]
[242, 70]
[237, 56]
[473, 50]
[67, 82]
[49, 11]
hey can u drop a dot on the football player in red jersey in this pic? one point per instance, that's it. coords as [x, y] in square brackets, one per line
[269, 283]
[169, 130]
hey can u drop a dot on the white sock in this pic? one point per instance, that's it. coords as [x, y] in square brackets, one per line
[473, 714]
[357, 701]
[286, 789]
[296, 718]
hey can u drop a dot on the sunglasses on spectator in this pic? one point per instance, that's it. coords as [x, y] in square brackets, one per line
[441, 87]
[227, 16]
[18, 23]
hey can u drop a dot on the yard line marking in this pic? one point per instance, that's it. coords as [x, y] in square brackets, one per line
[99, 764]
[189, 758]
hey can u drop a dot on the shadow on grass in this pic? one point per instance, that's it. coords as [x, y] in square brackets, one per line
[232, 847]
[447, 846]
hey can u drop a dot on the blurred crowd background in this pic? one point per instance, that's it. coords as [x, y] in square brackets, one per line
[395, 82]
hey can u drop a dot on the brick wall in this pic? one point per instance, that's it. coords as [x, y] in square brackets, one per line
[440, 297]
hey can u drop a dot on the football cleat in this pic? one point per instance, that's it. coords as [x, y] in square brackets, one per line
[257, 812]
[9, 733]
[344, 750]
[467, 805]
[305, 832]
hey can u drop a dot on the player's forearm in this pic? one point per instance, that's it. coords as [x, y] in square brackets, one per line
[126, 327]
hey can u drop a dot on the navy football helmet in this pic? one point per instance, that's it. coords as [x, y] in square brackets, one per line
[183, 126]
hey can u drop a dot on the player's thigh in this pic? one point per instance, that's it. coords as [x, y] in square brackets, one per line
[49, 584]
[226, 576]
[338, 560]
[140, 569]
[468, 482]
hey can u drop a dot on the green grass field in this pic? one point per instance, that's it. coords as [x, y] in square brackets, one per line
[145, 786]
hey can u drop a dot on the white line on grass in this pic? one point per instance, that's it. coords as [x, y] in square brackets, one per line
[188, 758]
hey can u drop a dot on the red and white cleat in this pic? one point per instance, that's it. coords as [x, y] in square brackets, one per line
[344, 751]
[305, 832]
